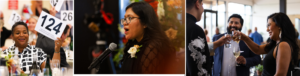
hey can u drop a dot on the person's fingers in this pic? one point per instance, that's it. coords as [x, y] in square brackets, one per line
[228, 38]
[237, 32]
[234, 33]
[241, 59]
[59, 39]
[226, 42]
[54, 10]
[238, 59]
[70, 25]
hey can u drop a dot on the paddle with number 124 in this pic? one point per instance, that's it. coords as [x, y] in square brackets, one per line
[50, 26]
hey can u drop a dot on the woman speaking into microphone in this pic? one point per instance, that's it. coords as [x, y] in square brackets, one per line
[148, 49]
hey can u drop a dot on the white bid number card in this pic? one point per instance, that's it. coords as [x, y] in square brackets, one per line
[67, 17]
[56, 4]
[50, 26]
[14, 17]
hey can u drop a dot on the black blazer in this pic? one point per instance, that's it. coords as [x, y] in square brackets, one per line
[242, 70]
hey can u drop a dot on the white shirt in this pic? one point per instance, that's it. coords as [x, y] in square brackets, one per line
[229, 63]
[26, 57]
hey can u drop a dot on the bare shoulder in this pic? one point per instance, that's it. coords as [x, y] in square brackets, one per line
[284, 48]
[284, 45]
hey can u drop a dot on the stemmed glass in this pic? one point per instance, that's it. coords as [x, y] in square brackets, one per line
[236, 52]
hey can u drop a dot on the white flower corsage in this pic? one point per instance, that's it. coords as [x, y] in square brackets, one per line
[133, 50]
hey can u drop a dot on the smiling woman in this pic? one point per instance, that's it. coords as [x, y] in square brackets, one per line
[282, 50]
[148, 49]
[25, 52]
[20, 36]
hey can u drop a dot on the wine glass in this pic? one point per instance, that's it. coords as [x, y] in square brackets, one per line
[236, 52]
[236, 38]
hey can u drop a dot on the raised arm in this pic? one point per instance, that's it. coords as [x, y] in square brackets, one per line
[217, 43]
[255, 48]
[56, 54]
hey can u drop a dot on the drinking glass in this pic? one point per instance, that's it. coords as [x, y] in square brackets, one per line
[63, 71]
[228, 44]
[55, 65]
[237, 38]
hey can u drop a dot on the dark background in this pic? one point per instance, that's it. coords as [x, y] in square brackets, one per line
[85, 38]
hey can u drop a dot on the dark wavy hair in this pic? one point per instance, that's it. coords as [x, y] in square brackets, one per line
[154, 37]
[288, 34]
[153, 33]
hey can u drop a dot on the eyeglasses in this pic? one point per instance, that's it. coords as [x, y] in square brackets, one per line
[127, 20]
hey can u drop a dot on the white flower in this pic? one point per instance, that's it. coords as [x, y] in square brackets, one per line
[160, 10]
[132, 51]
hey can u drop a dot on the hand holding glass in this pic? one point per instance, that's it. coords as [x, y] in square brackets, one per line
[236, 52]
[228, 44]
[236, 37]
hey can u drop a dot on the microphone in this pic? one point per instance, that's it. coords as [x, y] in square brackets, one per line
[98, 60]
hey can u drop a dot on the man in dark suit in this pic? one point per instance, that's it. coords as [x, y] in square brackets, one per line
[224, 60]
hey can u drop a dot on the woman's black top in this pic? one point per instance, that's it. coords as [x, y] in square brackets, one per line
[269, 64]
[149, 60]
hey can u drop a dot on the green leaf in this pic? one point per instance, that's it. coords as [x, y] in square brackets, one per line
[138, 50]
[135, 57]
[259, 67]
[118, 56]
[141, 46]
[6, 58]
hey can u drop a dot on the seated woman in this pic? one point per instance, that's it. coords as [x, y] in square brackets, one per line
[33, 35]
[25, 51]
[148, 49]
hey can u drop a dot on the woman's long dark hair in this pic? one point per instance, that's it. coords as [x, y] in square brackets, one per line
[288, 34]
[153, 33]
[154, 38]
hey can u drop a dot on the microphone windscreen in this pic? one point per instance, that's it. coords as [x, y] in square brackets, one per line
[112, 46]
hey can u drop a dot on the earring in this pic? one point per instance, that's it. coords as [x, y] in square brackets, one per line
[280, 34]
